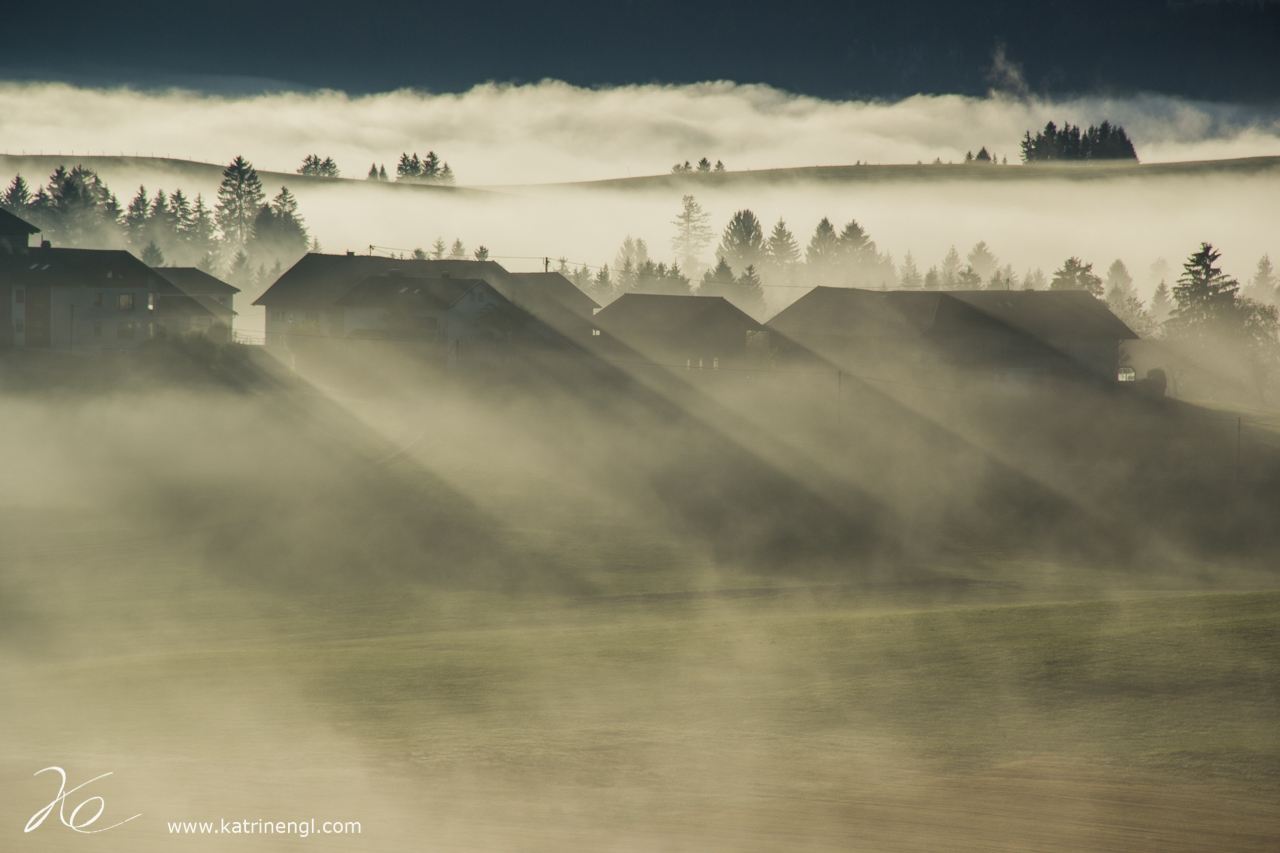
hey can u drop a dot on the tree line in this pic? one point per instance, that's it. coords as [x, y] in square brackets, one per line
[1068, 143]
[243, 237]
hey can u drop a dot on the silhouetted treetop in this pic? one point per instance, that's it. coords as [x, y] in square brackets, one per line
[1103, 142]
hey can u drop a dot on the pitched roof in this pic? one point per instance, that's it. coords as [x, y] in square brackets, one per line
[387, 291]
[317, 281]
[1051, 316]
[553, 285]
[648, 313]
[79, 267]
[191, 280]
[15, 226]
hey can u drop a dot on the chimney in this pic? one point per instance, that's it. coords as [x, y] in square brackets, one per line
[350, 254]
[45, 244]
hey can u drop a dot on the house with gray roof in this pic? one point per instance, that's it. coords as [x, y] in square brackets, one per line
[705, 332]
[1012, 336]
[86, 300]
[310, 290]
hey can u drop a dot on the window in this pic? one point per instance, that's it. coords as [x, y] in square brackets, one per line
[124, 332]
[1127, 374]
[151, 301]
[97, 299]
[19, 296]
[97, 328]
[595, 331]
[124, 302]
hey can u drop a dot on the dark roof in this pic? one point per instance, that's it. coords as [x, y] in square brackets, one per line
[648, 313]
[191, 280]
[79, 267]
[387, 291]
[11, 225]
[553, 285]
[318, 281]
[1051, 316]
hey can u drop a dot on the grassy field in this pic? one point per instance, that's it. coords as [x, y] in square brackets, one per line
[282, 632]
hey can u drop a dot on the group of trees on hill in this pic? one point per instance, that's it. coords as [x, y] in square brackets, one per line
[703, 166]
[430, 169]
[243, 237]
[312, 165]
[1068, 143]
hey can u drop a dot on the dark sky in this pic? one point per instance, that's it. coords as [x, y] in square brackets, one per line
[1219, 50]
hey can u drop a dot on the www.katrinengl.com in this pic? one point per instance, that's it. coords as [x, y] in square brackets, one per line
[300, 828]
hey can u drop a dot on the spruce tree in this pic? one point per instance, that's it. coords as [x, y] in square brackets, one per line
[909, 277]
[983, 260]
[704, 165]
[949, 277]
[719, 167]
[459, 251]
[373, 172]
[1076, 275]
[823, 245]
[481, 253]
[382, 173]
[438, 249]
[135, 219]
[17, 196]
[239, 198]
[446, 176]
[782, 247]
[1264, 285]
[749, 293]
[717, 281]
[1205, 295]
[742, 243]
[1162, 303]
[152, 256]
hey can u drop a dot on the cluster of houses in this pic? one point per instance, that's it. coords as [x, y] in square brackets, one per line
[94, 299]
[470, 313]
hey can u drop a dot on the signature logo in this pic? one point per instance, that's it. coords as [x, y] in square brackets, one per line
[61, 802]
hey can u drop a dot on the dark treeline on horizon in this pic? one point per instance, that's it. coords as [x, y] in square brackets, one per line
[242, 237]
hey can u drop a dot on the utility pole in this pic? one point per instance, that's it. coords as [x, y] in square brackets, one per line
[839, 397]
[546, 265]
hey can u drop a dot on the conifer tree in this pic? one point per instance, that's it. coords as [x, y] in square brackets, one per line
[719, 167]
[704, 165]
[823, 245]
[1205, 295]
[17, 196]
[239, 198]
[693, 235]
[1265, 284]
[909, 277]
[782, 248]
[373, 172]
[1162, 303]
[459, 251]
[949, 277]
[438, 249]
[1076, 275]
[152, 256]
[742, 243]
[749, 293]
[933, 279]
[382, 173]
[983, 260]
[718, 281]
[446, 176]
[481, 253]
[135, 218]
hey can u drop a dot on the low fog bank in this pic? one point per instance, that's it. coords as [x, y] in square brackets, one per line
[579, 604]
[552, 132]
